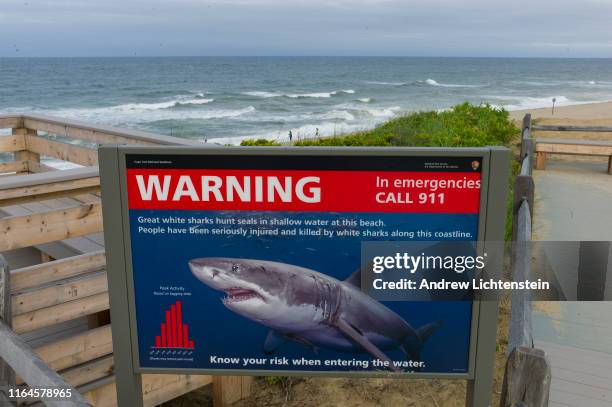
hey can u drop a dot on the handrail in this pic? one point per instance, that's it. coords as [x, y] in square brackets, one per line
[527, 374]
[520, 326]
[520, 321]
[87, 131]
[600, 129]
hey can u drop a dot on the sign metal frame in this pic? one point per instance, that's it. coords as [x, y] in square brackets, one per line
[491, 226]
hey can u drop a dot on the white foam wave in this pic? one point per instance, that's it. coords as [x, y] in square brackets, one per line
[310, 95]
[160, 105]
[337, 114]
[265, 94]
[365, 100]
[355, 120]
[433, 82]
[383, 112]
[529, 102]
[143, 106]
[386, 83]
[194, 102]
[114, 116]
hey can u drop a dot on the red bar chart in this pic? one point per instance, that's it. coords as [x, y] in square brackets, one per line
[174, 334]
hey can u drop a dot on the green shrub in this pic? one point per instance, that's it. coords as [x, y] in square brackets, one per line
[275, 380]
[259, 142]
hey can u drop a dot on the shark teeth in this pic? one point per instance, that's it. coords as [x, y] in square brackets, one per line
[237, 294]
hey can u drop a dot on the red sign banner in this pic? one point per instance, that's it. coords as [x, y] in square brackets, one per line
[304, 190]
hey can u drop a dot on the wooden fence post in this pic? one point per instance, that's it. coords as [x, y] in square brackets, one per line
[7, 375]
[524, 189]
[525, 134]
[230, 389]
[527, 379]
[33, 159]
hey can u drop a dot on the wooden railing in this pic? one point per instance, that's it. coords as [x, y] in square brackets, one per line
[20, 359]
[596, 148]
[527, 376]
[57, 214]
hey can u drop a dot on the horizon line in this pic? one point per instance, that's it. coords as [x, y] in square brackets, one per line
[295, 56]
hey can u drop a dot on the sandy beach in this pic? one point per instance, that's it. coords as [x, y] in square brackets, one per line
[590, 113]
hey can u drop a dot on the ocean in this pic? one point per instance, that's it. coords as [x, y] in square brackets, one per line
[228, 99]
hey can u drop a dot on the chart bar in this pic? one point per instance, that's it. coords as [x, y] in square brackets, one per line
[173, 332]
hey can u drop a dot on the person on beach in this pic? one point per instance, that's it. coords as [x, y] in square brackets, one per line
[317, 132]
[290, 136]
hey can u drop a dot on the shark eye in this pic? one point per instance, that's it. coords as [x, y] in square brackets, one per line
[235, 268]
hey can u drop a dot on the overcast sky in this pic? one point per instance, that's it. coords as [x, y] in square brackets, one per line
[546, 28]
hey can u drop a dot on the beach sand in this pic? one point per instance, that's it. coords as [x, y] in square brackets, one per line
[594, 113]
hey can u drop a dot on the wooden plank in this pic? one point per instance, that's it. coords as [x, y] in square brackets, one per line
[39, 167]
[31, 368]
[10, 121]
[567, 398]
[14, 166]
[579, 142]
[589, 129]
[540, 160]
[30, 180]
[33, 276]
[7, 375]
[58, 293]
[24, 194]
[156, 395]
[41, 318]
[48, 226]
[229, 389]
[12, 143]
[77, 349]
[25, 154]
[90, 371]
[63, 151]
[577, 149]
[526, 379]
[157, 389]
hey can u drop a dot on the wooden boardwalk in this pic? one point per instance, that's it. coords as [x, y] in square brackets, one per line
[573, 202]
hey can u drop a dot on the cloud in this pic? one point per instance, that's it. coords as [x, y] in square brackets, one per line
[300, 27]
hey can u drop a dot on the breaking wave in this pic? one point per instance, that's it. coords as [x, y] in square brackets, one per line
[136, 115]
[529, 102]
[432, 82]
[160, 105]
[386, 83]
[265, 94]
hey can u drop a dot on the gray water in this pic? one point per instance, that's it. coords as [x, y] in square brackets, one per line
[213, 98]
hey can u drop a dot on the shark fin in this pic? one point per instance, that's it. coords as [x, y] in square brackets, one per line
[356, 336]
[425, 331]
[355, 278]
[412, 346]
[274, 340]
